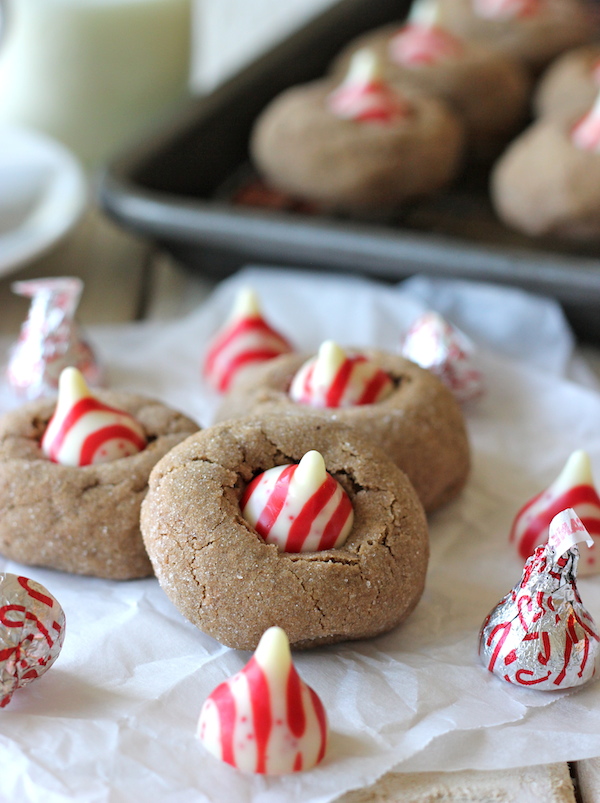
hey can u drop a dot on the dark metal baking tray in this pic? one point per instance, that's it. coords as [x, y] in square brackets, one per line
[172, 188]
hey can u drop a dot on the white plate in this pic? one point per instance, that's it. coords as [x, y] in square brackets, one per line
[42, 195]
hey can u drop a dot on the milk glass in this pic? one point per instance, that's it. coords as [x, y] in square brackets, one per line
[93, 73]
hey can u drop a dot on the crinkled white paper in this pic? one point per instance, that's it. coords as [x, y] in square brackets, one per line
[114, 719]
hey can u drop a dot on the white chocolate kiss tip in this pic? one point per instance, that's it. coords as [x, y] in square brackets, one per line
[365, 68]
[273, 651]
[330, 359]
[576, 471]
[299, 507]
[246, 305]
[425, 13]
[83, 430]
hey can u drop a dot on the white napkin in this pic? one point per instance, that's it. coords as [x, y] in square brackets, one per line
[114, 719]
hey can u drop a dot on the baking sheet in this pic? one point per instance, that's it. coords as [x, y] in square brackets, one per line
[114, 718]
[177, 187]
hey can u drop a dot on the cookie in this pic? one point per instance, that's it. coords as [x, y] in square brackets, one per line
[232, 585]
[488, 90]
[544, 185]
[419, 425]
[570, 85]
[349, 165]
[83, 520]
[533, 31]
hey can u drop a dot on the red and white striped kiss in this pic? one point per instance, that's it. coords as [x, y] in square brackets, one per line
[265, 719]
[585, 135]
[247, 339]
[422, 42]
[334, 379]
[573, 488]
[299, 507]
[506, 9]
[84, 431]
[363, 96]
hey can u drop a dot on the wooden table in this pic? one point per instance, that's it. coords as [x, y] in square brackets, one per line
[127, 279]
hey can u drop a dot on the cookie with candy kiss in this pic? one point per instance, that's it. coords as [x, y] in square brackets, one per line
[488, 91]
[265, 719]
[540, 635]
[356, 142]
[532, 31]
[246, 340]
[32, 631]
[334, 379]
[84, 431]
[574, 488]
[299, 507]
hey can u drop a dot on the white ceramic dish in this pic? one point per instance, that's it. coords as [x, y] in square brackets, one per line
[43, 192]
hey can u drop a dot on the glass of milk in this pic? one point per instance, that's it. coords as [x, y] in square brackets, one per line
[93, 73]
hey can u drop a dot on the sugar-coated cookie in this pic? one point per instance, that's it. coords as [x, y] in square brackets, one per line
[233, 585]
[80, 519]
[569, 87]
[419, 424]
[534, 31]
[357, 145]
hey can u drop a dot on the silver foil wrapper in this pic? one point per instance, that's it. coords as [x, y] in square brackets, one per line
[32, 630]
[435, 344]
[540, 635]
[50, 338]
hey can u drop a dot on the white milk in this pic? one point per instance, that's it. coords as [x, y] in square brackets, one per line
[93, 73]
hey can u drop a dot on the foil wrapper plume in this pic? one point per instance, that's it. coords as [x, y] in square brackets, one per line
[540, 635]
[435, 344]
[50, 338]
[32, 630]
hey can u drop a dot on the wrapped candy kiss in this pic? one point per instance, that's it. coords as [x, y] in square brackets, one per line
[265, 719]
[435, 344]
[50, 339]
[32, 630]
[540, 635]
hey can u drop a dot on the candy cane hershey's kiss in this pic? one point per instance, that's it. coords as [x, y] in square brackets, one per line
[245, 340]
[84, 431]
[265, 719]
[540, 635]
[299, 507]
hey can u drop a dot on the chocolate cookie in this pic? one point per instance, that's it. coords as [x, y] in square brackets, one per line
[83, 520]
[420, 425]
[488, 90]
[570, 85]
[232, 585]
[534, 32]
[302, 148]
[546, 186]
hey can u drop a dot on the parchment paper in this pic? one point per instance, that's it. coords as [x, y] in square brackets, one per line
[114, 718]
